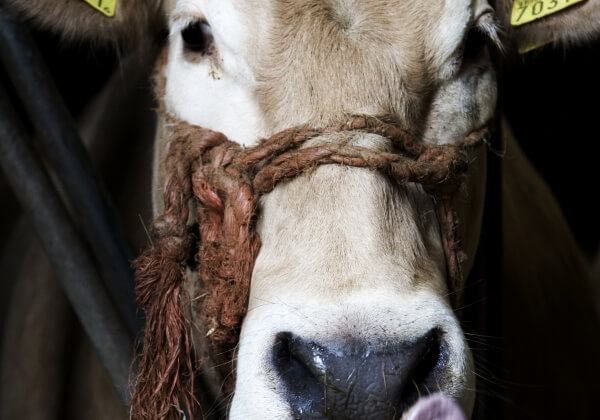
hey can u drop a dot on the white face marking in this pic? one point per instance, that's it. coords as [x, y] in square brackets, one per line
[217, 91]
[343, 250]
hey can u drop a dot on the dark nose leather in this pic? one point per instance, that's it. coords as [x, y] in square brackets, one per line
[357, 380]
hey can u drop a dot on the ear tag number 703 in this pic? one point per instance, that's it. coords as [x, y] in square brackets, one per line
[525, 11]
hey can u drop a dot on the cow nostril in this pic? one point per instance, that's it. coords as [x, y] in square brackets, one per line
[354, 379]
[428, 367]
[300, 381]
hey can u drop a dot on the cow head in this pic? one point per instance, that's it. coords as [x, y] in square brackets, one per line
[349, 313]
[348, 310]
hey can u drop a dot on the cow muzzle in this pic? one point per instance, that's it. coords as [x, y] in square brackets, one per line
[357, 379]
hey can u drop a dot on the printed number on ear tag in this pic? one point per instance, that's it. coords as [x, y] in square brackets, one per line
[525, 11]
[105, 6]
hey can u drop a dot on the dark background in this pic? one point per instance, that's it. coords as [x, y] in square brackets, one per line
[551, 99]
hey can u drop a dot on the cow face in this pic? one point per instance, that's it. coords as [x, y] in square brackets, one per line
[349, 310]
[348, 313]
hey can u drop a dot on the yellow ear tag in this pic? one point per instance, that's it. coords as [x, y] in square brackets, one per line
[105, 6]
[525, 11]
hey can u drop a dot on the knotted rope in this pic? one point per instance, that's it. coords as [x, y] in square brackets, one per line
[224, 182]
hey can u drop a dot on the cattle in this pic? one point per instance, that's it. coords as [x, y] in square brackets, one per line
[353, 310]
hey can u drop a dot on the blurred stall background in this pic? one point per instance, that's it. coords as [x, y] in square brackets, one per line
[551, 99]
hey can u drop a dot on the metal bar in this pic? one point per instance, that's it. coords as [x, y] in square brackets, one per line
[70, 163]
[67, 252]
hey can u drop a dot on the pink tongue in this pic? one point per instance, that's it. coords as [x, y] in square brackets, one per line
[435, 407]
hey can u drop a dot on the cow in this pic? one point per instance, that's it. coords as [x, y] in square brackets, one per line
[352, 275]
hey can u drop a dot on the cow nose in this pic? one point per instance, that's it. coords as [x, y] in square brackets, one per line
[353, 379]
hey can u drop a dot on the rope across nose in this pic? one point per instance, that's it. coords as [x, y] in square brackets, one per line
[224, 182]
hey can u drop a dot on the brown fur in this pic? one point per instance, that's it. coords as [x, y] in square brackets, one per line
[75, 19]
[552, 333]
[362, 52]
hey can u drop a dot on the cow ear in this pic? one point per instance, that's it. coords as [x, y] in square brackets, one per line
[529, 24]
[94, 20]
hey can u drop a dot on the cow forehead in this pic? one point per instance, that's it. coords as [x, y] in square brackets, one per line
[313, 61]
[244, 26]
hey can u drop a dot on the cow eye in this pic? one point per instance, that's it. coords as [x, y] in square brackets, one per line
[198, 38]
[475, 43]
